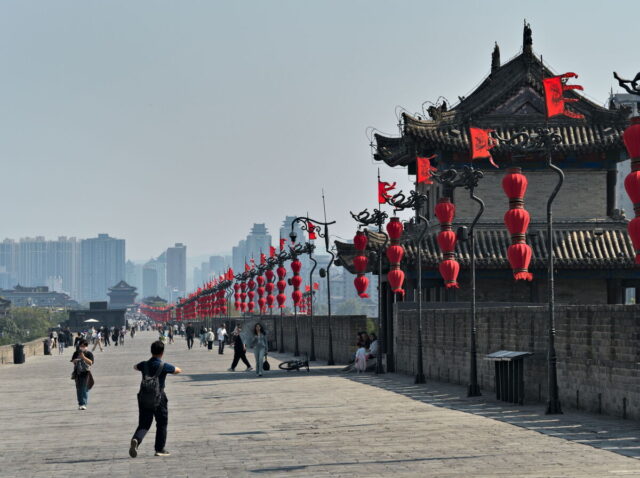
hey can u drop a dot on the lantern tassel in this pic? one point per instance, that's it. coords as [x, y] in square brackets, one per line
[364, 295]
[399, 291]
[452, 285]
[527, 275]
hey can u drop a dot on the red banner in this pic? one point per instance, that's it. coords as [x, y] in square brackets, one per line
[481, 143]
[424, 170]
[383, 190]
[554, 98]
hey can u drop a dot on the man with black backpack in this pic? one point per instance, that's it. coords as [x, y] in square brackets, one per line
[152, 401]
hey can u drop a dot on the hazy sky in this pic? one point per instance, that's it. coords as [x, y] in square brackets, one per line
[187, 121]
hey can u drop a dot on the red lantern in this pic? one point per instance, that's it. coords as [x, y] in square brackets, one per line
[282, 285]
[517, 219]
[296, 265]
[296, 281]
[631, 138]
[261, 303]
[447, 241]
[297, 297]
[445, 210]
[395, 229]
[519, 256]
[632, 185]
[269, 287]
[270, 299]
[260, 280]
[360, 263]
[634, 231]
[449, 269]
[361, 283]
[395, 253]
[396, 279]
[360, 241]
[282, 272]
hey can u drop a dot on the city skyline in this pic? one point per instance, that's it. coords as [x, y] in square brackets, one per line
[172, 110]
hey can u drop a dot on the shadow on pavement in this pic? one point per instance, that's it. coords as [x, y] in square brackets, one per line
[363, 462]
[606, 433]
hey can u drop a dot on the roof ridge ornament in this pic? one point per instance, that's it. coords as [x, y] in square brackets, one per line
[527, 40]
[495, 58]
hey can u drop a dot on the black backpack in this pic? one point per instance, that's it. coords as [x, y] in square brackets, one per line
[150, 392]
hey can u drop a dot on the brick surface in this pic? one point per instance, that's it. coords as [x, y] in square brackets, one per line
[325, 423]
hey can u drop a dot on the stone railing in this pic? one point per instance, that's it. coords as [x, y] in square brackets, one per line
[35, 347]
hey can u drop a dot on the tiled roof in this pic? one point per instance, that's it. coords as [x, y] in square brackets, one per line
[509, 100]
[584, 245]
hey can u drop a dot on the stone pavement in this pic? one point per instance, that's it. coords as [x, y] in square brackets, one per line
[293, 424]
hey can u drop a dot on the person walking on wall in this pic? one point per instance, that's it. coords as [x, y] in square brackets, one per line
[152, 400]
[82, 361]
[210, 338]
[260, 347]
[222, 336]
[239, 351]
[190, 332]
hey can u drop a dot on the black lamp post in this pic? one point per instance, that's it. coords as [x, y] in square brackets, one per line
[545, 140]
[364, 218]
[323, 233]
[415, 201]
[308, 248]
[468, 178]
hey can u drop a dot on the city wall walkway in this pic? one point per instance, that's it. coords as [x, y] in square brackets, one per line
[324, 423]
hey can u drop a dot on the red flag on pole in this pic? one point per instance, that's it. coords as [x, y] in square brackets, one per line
[481, 143]
[425, 169]
[316, 286]
[383, 191]
[272, 251]
[283, 241]
[263, 258]
[246, 267]
[554, 98]
[312, 231]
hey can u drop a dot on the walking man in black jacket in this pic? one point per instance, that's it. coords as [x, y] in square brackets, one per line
[150, 368]
[239, 351]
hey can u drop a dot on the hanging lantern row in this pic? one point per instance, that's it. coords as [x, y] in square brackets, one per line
[517, 221]
[395, 253]
[631, 138]
[157, 314]
[296, 282]
[281, 285]
[360, 263]
[449, 267]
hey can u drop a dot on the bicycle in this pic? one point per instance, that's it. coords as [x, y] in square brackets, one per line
[295, 364]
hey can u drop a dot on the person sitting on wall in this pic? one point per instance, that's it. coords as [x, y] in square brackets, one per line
[373, 347]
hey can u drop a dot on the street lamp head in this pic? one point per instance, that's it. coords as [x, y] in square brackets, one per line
[293, 236]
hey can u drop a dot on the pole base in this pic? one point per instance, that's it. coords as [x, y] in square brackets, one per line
[553, 407]
[473, 390]
[331, 362]
[420, 378]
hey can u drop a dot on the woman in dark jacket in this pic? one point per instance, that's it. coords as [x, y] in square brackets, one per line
[239, 351]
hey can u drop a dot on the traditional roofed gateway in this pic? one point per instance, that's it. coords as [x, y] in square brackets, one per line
[594, 255]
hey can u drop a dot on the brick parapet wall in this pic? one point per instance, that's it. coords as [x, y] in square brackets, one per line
[596, 346]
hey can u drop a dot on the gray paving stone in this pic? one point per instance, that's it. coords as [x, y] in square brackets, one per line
[289, 424]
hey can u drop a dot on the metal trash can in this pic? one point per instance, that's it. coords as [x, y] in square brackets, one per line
[509, 369]
[47, 347]
[18, 353]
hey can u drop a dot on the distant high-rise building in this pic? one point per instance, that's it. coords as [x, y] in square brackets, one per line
[149, 281]
[133, 274]
[216, 265]
[9, 261]
[177, 268]
[102, 265]
[258, 241]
